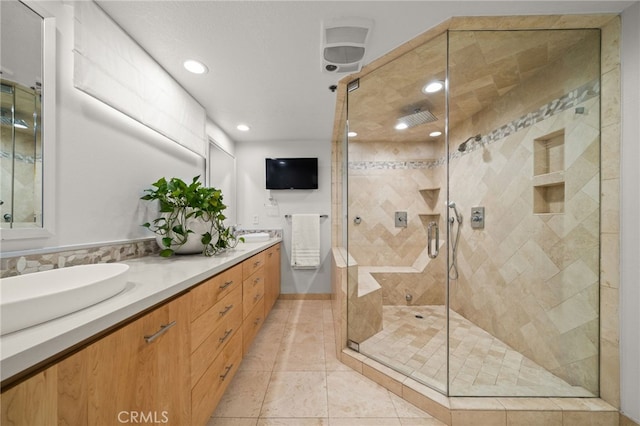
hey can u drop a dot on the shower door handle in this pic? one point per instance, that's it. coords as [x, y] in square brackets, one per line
[431, 250]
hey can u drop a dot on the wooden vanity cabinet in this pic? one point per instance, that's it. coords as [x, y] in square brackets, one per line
[209, 292]
[271, 277]
[208, 391]
[32, 402]
[139, 368]
[169, 366]
[135, 373]
[253, 291]
[216, 340]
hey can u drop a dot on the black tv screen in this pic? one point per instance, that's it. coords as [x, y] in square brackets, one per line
[291, 173]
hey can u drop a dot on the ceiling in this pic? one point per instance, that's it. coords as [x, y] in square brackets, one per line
[483, 66]
[264, 57]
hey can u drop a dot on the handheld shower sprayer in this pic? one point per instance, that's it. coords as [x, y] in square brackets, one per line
[452, 205]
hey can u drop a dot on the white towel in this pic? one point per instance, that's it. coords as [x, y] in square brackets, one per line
[305, 241]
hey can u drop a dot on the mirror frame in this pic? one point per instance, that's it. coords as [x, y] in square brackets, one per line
[48, 121]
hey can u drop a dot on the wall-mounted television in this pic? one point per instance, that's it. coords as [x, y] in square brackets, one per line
[291, 173]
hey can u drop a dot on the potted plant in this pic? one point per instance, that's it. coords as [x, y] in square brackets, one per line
[191, 218]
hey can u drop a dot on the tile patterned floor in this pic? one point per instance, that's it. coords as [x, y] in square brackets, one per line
[291, 376]
[481, 365]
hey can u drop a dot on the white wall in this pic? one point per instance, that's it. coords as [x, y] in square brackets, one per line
[222, 175]
[215, 133]
[629, 224]
[221, 168]
[104, 160]
[252, 197]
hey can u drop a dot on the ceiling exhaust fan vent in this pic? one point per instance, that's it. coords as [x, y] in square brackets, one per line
[344, 44]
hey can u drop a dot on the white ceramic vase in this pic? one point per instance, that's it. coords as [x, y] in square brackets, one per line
[194, 239]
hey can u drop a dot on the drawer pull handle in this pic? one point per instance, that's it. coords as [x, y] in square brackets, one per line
[227, 333]
[226, 284]
[255, 264]
[227, 369]
[256, 281]
[226, 309]
[257, 321]
[256, 297]
[163, 329]
[270, 254]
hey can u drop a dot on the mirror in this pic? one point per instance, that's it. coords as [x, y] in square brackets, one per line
[27, 123]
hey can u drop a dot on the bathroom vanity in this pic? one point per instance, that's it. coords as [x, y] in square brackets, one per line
[167, 363]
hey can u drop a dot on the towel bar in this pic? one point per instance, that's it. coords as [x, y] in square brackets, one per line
[323, 216]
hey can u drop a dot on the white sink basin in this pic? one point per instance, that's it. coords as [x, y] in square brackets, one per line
[38, 297]
[256, 237]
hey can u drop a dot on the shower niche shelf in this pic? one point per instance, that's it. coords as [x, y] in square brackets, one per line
[430, 196]
[548, 173]
[427, 218]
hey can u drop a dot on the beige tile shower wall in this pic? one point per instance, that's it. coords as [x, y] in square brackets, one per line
[610, 167]
[380, 185]
[610, 215]
[536, 273]
[568, 73]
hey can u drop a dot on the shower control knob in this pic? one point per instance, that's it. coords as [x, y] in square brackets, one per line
[477, 217]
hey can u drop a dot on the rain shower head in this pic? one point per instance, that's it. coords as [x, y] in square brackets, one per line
[417, 118]
[463, 146]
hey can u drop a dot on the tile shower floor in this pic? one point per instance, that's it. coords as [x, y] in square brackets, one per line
[413, 342]
[291, 376]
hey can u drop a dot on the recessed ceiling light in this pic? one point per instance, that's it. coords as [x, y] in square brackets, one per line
[352, 134]
[433, 87]
[243, 127]
[435, 134]
[195, 67]
[401, 126]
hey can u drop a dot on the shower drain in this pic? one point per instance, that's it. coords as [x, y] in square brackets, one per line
[419, 316]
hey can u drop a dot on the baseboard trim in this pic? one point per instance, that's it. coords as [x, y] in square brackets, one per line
[626, 421]
[305, 296]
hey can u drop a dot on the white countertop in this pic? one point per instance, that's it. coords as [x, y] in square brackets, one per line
[150, 281]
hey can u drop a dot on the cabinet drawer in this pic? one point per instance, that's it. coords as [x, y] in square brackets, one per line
[214, 289]
[271, 251]
[252, 264]
[252, 291]
[204, 325]
[215, 342]
[206, 394]
[252, 324]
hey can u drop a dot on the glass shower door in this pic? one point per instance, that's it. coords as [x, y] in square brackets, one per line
[524, 174]
[396, 222]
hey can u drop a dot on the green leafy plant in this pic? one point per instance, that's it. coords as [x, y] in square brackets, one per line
[179, 202]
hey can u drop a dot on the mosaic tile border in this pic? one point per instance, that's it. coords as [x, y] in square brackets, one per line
[106, 253]
[556, 106]
[117, 252]
[29, 159]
